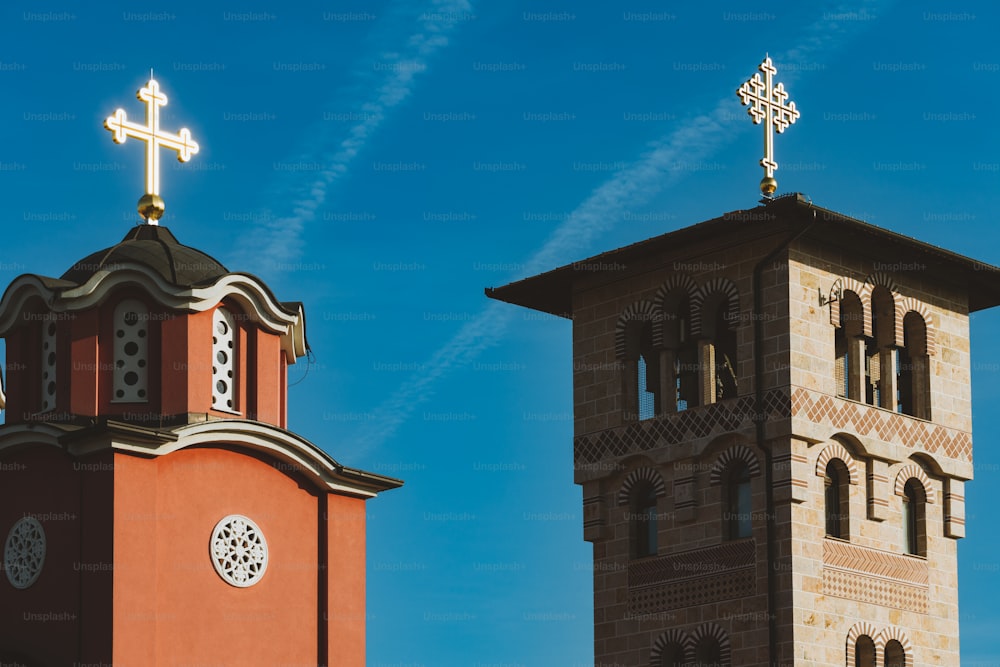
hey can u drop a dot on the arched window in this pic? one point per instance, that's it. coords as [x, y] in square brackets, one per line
[707, 653]
[881, 355]
[725, 353]
[737, 501]
[680, 352]
[131, 373]
[837, 499]
[894, 655]
[850, 347]
[914, 369]
[914, 518]
[864, 652]
[642, 520]
[672, 656]
[223, 361]
[641, 378]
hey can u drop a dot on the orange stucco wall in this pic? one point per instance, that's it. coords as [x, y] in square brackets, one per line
[166, 588]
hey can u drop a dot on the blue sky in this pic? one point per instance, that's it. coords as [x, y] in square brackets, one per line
[383, 162]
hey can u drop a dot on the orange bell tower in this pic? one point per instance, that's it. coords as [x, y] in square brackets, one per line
[154, 507]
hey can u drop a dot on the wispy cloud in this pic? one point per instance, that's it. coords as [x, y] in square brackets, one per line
[280, 240]
[695, 140]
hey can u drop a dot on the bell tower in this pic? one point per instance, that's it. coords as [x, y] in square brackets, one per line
[155, 508]
[772, 435]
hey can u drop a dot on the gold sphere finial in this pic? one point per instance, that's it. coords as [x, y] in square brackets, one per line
[151, 207]
[768, 185]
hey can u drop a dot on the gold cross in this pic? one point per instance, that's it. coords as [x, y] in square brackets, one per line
[767, 104]
[151, 205]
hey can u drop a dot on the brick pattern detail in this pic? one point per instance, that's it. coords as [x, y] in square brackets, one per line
[679, 282]
[715, 285]
[954, 508]
[875, 576]
[739, 453]
[835, 450]
[879, 638]
[857, 631]
[691, 592]
[846, 556]
[863, 292]
[887, 426]
[641, 311]
[689, 641]
[700, 576]
[701, 422]
[641, 475]
[840, 584]
[913, 471]
[909, 304]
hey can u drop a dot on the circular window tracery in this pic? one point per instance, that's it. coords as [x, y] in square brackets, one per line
[24, 552]
[238, 550]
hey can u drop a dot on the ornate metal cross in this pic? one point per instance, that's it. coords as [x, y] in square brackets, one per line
[151, 205]
[767, 105]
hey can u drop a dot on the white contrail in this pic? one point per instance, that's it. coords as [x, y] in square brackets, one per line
[651, 173]
[279, 240]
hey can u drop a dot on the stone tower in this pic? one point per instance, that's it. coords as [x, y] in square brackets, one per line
[773, 434]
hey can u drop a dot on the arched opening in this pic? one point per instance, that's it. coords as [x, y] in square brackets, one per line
[914, 518]
[679, 357]
[672, 656]
[643, 525]
[707, 653]
[737, 502]
[914, 368]
[864, 652]
[850, 347]
[894, 655]
[724, 353]
[880, 371]
[837, 499]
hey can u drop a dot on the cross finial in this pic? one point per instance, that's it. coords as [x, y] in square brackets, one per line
[151, 205]
[767, 105]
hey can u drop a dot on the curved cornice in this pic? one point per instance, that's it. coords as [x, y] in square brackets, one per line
[246, 290]
[289, 453]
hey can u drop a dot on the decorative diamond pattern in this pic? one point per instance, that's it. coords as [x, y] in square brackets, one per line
[862, 588]
[686, 593]
[701, 422]
[886, 426]
[691, 564]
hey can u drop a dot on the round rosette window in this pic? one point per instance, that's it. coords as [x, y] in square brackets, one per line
[24, 552]
[238, 551]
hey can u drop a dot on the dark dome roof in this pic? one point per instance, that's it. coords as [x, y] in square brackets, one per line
[155, 247]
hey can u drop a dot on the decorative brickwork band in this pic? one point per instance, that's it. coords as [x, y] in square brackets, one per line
[641, 311]
[738, 453]
[837, 451]
[641, 475]
[913, 471]
[875, 576]
[715, 286]
[724, 417]
[863, 420]
[699, 576]
[857, 631]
